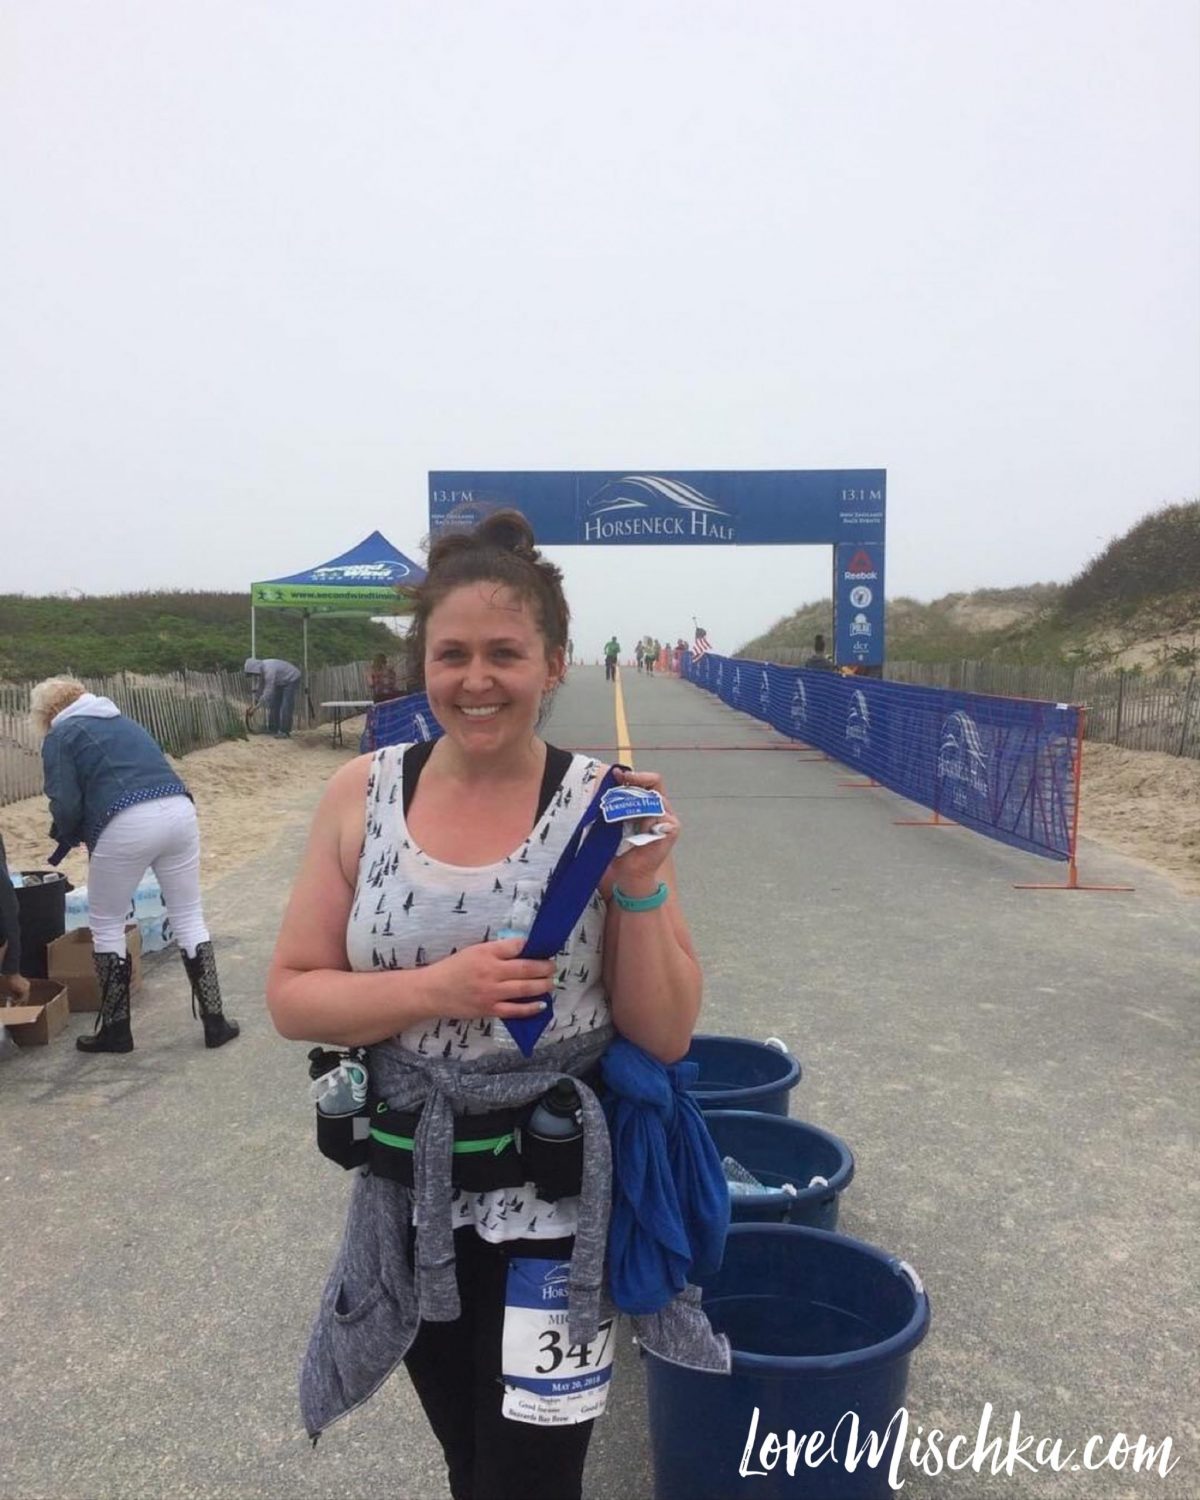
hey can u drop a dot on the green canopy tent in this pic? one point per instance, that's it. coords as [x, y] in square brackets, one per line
[362, 581]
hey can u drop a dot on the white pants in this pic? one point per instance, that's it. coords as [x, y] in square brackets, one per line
[165, 836]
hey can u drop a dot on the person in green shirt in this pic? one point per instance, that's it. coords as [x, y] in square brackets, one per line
[612, 651]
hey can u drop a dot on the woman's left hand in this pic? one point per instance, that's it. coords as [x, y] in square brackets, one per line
[639, 870]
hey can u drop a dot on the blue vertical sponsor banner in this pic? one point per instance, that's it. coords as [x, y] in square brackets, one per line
[858, 604]
[670, 507]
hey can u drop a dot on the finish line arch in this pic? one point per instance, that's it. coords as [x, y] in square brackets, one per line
[841, 508]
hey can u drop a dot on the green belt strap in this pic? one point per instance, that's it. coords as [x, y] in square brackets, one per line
[496, 1144]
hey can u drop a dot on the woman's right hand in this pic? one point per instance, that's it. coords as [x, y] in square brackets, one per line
[489, 979]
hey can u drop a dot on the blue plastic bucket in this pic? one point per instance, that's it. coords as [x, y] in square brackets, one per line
[739, 1074]
[822, 1328]
[779, 1150]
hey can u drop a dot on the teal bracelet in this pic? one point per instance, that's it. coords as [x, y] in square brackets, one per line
[641, 903]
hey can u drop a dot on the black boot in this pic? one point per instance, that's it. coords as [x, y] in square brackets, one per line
[112, 1021]
[206, 993]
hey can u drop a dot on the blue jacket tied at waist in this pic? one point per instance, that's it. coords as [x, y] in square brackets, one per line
[670, 1201]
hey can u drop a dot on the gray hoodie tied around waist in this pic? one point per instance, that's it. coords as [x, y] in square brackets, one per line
[374, 1301]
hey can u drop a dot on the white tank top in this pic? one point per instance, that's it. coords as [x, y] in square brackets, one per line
[410, 910]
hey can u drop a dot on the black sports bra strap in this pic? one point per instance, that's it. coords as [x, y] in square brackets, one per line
[558, 763]
[411, 767]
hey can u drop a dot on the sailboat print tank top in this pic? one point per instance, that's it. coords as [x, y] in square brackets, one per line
[410, 910]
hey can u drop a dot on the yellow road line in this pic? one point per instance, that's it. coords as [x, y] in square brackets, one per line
[624, 746]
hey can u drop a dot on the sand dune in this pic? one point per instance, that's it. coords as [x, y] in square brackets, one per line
[1142, 803]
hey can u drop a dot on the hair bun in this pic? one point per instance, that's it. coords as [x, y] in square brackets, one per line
[445, 545]
[508, 531]
[496, 548]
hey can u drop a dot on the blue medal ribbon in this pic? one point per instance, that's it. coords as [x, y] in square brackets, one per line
[589, 852]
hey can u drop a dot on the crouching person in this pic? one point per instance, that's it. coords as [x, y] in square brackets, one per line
[111, 787]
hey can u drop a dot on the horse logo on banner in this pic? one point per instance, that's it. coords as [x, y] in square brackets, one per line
[649, 507]
[858, 724]
[962, 765]
[799, 708]
[764, 695]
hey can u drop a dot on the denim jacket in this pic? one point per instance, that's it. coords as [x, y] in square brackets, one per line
[96, 763]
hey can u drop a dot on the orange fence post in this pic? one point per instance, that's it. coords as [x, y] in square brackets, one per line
[1072, 882]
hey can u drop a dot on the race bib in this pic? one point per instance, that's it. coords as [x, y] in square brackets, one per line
[549, 1381]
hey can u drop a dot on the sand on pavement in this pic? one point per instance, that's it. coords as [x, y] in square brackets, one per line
[247, 793]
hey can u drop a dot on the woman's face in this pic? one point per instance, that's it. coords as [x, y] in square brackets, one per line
[487, 668]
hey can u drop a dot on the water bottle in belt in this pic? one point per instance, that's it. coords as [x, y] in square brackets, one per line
[342, 1089]
[552, 1143]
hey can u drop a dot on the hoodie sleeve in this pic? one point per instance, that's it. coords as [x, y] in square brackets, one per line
[10, 920]
[63, 790]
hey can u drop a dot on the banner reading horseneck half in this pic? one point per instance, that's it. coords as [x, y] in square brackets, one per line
[690, 507]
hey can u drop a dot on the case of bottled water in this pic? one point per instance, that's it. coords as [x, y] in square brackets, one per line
[147, 911]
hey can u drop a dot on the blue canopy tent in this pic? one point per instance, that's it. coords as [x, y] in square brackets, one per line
[362, 581]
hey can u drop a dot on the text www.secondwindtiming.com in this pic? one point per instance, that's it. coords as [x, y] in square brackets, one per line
[933, 1452]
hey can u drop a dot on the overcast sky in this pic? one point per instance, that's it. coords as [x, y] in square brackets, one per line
[263, 265]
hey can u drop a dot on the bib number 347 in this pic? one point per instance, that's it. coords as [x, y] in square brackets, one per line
[549, 1381]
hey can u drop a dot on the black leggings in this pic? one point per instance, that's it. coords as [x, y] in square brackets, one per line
[455, 1369]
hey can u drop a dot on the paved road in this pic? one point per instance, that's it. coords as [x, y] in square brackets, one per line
[1015, 1072]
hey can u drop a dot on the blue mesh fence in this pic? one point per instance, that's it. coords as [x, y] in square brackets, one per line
[1002, 766]
[400, 721]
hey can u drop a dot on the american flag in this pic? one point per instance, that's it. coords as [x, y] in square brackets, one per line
[700, 646]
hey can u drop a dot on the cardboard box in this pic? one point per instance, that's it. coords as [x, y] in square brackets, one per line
[69, 960]
[42, 1017]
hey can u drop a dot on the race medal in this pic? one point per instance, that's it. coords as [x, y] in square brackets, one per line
[620, 803]
[548, 1381]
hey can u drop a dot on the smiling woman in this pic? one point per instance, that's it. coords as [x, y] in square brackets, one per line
[487, 659]
[488, 675]
[426, 861]
[520, 586]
